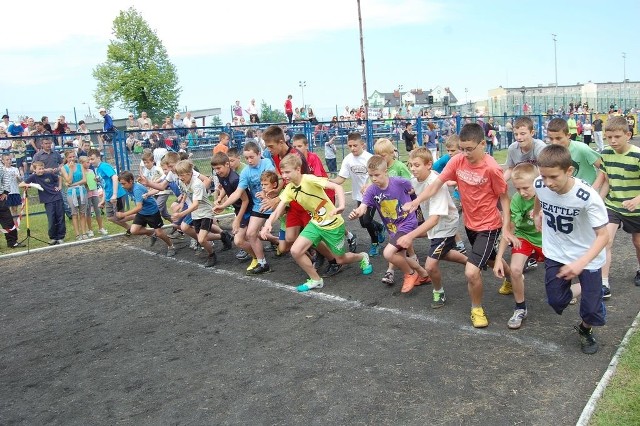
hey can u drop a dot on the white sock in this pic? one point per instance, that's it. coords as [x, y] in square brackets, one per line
[262, 261]
[349, 236]
[605, 282]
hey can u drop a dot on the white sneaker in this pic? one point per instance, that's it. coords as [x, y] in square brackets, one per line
[193, 245]
[515, 321]
[103, 231]
[89, 234]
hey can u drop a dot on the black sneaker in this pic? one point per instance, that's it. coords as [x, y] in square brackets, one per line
[211, 261]
[128, 233]
[318, 261]
[353, 243]
[16, 245]
[636, 280]
[332, 269]
[260, 269]
[587, 341]
[227, 241]
[606, 292]
[154, 240]
[532, 263]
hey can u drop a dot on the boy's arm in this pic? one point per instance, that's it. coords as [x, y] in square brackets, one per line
[507, 174]
[537, 214]
[235, 226]
[358, 211]
[268, 224]
[407, 239]
[428, 192]
[339, 180]
[132, 212]
[183, 213]
[114, 180]
[574, 268]
[230, 200]
[507, 233]
[603, 181]
[340, 199]
[160, 186]
[597, 183]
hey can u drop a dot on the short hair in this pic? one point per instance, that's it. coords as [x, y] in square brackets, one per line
[377, 162]
[616, 123]
[83, 159]
[273, 133]
[224, 135]
[233, 152]
[250, 134]
[523, 122]
[558, 125]
[171, 158]
[126, 176]
[219, 159]
[354, 136]
[183, 156]
[94, 152]
[555, 156]
[146, 156]
[452, 141]
[472, 132]
[383, 146]
[525, 171]
[291, 160]
[301, 137]
[37, 164]
[6, 155]
[184, 167]
[269, 176]
[80, 122]
[423, 153]
[251, 146]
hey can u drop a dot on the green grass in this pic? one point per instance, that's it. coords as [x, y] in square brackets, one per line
[620, 403]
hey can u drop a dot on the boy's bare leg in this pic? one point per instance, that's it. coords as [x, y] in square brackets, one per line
[240, 240]
[253, 229]
[518, 260]
[299, 253]
[159, 232]
[474, 283]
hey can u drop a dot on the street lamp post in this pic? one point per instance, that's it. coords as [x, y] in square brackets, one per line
[302, 85]
[88, 106]
[555, 59]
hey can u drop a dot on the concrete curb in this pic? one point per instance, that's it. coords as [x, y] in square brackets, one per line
[588, 410]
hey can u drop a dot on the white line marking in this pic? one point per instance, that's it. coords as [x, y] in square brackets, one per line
[543, 346]
[588, 410]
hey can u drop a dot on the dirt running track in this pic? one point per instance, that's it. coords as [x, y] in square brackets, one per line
[111, 332]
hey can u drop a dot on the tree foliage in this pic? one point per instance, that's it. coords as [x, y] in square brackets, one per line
[137, 75]
[269, 115]
[216, 121]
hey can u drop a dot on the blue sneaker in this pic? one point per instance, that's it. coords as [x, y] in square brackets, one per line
[365, 264]
[309, 285]
[374, 250]
[382, 234]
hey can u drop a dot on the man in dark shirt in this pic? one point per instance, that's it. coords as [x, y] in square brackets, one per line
[597, 134]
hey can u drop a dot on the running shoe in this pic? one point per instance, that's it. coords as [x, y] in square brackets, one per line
[388, 278]
[479, 318]
[365, 264]
[409, 282]
[309, 285]
[588, 342]
[515, 322]
[438, 299]
[505, 288]
[353, 244]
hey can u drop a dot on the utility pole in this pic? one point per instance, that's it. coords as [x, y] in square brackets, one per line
[364, 76]
[555, 58]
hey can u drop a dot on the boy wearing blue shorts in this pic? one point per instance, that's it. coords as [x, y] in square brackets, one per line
[574, 237]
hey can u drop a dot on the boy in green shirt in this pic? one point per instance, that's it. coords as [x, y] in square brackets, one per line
[529, 239]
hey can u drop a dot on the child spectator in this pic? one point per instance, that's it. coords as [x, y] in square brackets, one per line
[12, 178]
[525, 149]
[6, 220]
[621, 180]
[223, 144]
[387, 195]
[326, 224]
[440, 223]
[19, 149]
[94, 197]
[574, 237]
[432, 140]
[586, 162]
[51, 197]
[114, 197]
[250, 179]
[75, 179]
[330, 156]
[530, 239]
[229, 179]
[145, 213]
[354, 166]
[199, 206]
[481, 184]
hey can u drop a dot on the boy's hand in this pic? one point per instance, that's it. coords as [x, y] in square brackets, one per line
[570, 271]
[498, 268]
[404, 241]
[218, 208]
[630, 204]
[269, 204]
[353, 214]
[410, 207]
[142, 180]
[235, 226]
[512, 239]
[176, 217]
[120, 215]
[266, 230]
[538, 222]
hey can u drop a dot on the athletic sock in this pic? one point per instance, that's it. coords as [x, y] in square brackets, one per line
[262, 261]
[521, 305]
[605, 282]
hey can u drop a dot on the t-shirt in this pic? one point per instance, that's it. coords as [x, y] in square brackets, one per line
[441, 205]
[49, 183]
[597, 125]
[291, 150]
[155, 174]
[583, 159]
[355, 168]
[149, 205]
[105, 172]
[316, 168]
[310, 194]
[398, 168]
[230, 183]
[250, 179]
[623, 173]
[220, 147]
[521, 210]
[569, 221]
[196, 191]
[389, 202]
[92, 184]
[51, 160]
[480, 187]
[573, 126]
[515, 155]
[329, 150]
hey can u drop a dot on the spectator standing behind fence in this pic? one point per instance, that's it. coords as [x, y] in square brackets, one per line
[94, 197]
[252, 110]
[288, 108]
[12, 179]
[586, 132]
[330, 156]
[4, 124]
[19, 148]
[409, 137]
[597, 134]
[144, 121]
[75, 178]
[490, 132]
[6, 220]
[51, 197]
[237, 110]
[432, 141]
[573, 127]
[509, 128]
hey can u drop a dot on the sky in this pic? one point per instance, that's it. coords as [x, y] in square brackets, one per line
[228, 51]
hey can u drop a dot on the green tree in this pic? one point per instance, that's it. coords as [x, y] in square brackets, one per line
[269, 115]
[137, 74]
[216, 121]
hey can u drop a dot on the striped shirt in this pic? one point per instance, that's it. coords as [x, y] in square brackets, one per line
[623, 172]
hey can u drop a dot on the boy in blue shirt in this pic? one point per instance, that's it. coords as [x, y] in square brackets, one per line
[114, 195]
[145, 213]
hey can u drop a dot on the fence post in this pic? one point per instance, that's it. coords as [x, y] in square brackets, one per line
[419, 126]
[540, 126]
[369, 127]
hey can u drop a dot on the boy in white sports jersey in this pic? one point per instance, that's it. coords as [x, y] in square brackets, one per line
[574, 236]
